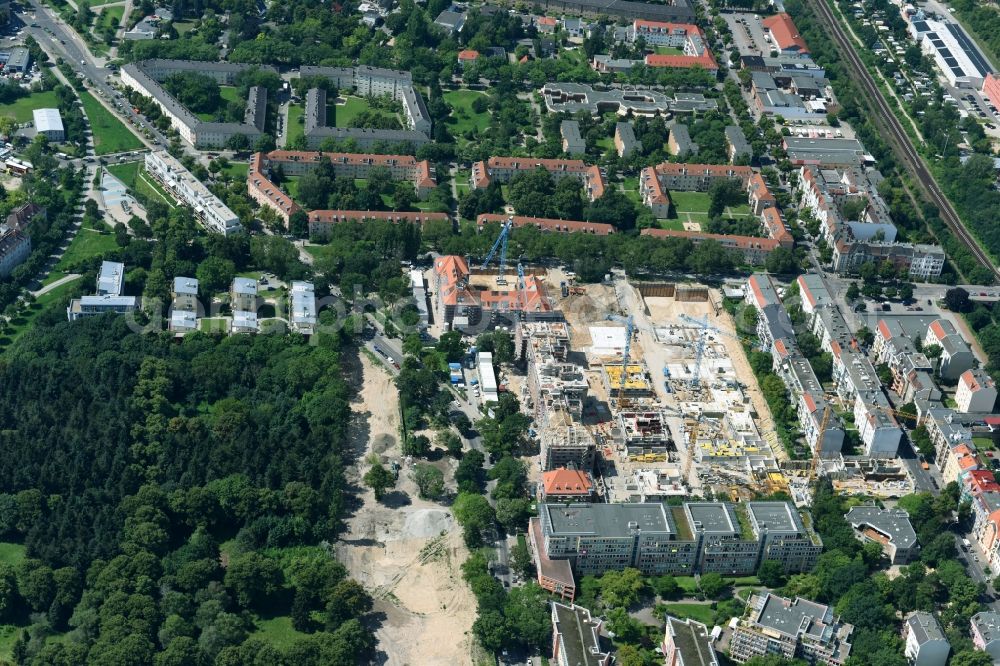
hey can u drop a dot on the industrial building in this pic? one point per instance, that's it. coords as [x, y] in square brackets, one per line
[48, 123]
[956, 55]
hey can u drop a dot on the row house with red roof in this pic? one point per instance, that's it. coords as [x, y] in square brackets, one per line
[503, 170]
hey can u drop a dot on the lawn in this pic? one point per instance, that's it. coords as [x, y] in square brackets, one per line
[110, 134]
[231, 94]
[278, 632]
[462, 182]
[673, 225]
[691, 202]
[110, 17]
[11, 553]
[22, 108]
[237, 170]
[182, 27]
[209, 324]
[700, 612]
[24, 322]
[463, 118]
[984, 443]
[295, 126]
[667, 50]
[352, 107]
[85, 245]
[136, 179]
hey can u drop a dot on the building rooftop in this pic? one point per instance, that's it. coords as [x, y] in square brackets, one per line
[185, 285]
[924, 627]
[893, 523]
[612, 520]
[111, 278]
[693, 642]
[48, 120]
[987, 623]
[567, 482]
[578, 635]
[712, 518]
[242, 285]
[775, 517]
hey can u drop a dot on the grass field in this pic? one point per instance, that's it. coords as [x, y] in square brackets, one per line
[295, 126]
[462, 182]
[695, 205]
[85, 245]
[22, 323]
[238, 170]
[22, 108]
[352, 107]
[673, 225]
[984, 443]
[278, 631]
[700, 612]
[110, 17]
[209, 324]
[231, 94]
[136, 179]
[110, 134]
[463, 118]
[11, 553]
[667, 50]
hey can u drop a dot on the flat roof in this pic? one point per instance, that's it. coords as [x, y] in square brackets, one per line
[712, 518]
[607, 520]
[693, 641]
[580, 642]
[242, 285]
[48, 120]
[775, 517]
[185, 285]
[894, 523]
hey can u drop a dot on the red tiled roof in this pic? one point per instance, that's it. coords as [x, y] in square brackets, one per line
[776, 227]
[883, 329]
[547, 20]
[546, 224]
[566, 482]
[468, 55]
[710, 170]
[651, 183]
[810, 402]
[937, 328]
[739, 242]
[784, 33]
[706, 60]
[338, 216]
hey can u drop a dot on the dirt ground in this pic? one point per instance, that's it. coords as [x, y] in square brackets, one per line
[405, 551]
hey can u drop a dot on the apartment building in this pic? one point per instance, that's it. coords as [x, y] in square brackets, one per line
[687, 643]
[264, 191]
[625, 141]
[679, 142]
[567, 444]
[956, 355]
[321, 222]
[657, 539]
[557, 387]
[547, 224]
[752, 250]
[244, 321]
[889, 528]
[461, 305]
[243, 294]
[737, 146]
[792, 629]
[926, 644]
[146, 76]
[503, 170]
[109, 298]
[984, 628]
[567, 485]
[15, 248]
[303, 312]
[185, 294]
[976, 391]
[780, 30]
[945, 428]
[576, 637]
[317, 132]
[209, 210]
[572, 142]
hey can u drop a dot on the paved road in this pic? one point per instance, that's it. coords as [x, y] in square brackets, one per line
[58, 283]
[898, 138]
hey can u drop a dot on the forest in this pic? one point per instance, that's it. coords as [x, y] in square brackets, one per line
[172, 496]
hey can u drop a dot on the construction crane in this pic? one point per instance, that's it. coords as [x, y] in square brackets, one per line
[704, 328]
[501, 244]
[629, 329]
[522, 290]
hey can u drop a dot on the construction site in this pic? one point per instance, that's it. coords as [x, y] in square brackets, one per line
[648, 386]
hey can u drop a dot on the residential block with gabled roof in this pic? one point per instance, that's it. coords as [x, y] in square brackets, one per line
[976, 392]
[563, 484]
[926, 644]
[503, 170]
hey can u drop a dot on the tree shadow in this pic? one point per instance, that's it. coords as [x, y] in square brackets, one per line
[396, 499]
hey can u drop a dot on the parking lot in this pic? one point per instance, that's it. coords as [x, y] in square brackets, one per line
[748, 34]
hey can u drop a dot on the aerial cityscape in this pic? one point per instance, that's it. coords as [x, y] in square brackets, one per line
[440, 333]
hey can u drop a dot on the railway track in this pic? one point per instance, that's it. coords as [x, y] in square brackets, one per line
[899, 138]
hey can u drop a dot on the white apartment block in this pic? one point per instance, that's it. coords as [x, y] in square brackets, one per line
[976, 392]
[209, 209]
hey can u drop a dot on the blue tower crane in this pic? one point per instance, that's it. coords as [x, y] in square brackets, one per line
[501, 244]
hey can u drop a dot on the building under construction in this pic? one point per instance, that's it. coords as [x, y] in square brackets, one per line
[565, 443]
[555, 384]
[637, 385]
[644, 436]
